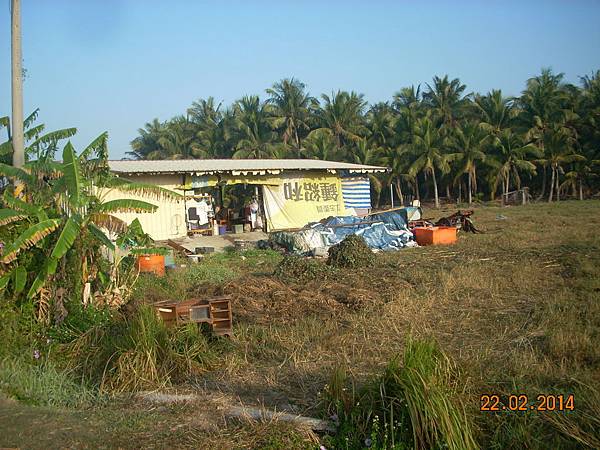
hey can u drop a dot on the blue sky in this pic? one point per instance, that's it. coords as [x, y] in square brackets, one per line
[115, 64]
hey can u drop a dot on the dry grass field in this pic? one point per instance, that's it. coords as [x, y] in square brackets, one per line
[516, 310]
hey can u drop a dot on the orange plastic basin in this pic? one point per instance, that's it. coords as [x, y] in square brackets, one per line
[152, 263]
[435, 235]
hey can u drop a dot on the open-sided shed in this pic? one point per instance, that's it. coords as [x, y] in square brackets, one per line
[292, 192]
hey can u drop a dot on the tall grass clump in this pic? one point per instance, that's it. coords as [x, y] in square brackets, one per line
[140, 352]
[43, 384]
[28, 370]
[412, 404]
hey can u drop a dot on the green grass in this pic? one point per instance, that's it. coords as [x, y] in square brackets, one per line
[43, 384]
[412, 405]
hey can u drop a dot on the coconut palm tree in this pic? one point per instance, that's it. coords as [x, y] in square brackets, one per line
[398, 160]
[496, 112]
[342, 113]
[408, 105]
[363, 153]
[512, 157]
[428, 152]
[255, 137]
[380, 121]
[146, 145]
[291, 110]
[544, 105]
[469, 142]
[558, 151]
[178, 141]
[446, 98]
[320, 144]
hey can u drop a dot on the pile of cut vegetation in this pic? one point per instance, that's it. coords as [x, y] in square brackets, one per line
[298, 269]
[353, 251]
[259, 299]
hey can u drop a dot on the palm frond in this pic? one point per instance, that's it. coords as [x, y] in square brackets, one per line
[29, 238]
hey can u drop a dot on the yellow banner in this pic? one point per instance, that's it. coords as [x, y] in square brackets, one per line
[300, 200]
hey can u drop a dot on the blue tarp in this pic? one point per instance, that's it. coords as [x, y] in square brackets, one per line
[383, 231]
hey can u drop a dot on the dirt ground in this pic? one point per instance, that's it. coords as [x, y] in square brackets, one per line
[513, 307]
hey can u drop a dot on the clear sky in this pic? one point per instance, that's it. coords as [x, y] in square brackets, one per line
[115, 64]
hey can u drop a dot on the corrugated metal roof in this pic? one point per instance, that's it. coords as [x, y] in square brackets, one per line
[235, 166]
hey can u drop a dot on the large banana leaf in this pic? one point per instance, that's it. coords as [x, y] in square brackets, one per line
[6, 148]
[4, 279]
[52, 137]
[10, 215]
[142, 189]
[108, 222]
[99, 146]
[19, 279]
[29, 238]
[67, 236]
[126, 205]
[72, 174]
[99, 234]
[33, 132]
[39, 281]
[17, 204]
[15, 172]
[31, 118]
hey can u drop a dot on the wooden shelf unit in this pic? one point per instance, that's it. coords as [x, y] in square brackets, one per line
[215, 311]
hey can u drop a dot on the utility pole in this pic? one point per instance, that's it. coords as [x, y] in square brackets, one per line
[17, 85]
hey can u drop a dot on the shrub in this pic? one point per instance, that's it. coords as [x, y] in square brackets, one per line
[351, 252]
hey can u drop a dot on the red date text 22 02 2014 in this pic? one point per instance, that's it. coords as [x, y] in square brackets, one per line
[522, 402]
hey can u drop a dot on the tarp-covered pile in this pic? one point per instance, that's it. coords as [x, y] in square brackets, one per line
[382, 231]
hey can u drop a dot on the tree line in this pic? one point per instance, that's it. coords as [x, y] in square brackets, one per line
[437, 139]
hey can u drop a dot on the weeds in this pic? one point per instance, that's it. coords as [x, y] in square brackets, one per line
[139, 353]
[412, 404]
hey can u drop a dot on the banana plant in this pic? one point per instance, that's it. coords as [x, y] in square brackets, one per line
[63, 202]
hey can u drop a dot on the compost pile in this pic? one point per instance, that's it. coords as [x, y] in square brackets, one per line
[353, 252]
[297, 269]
